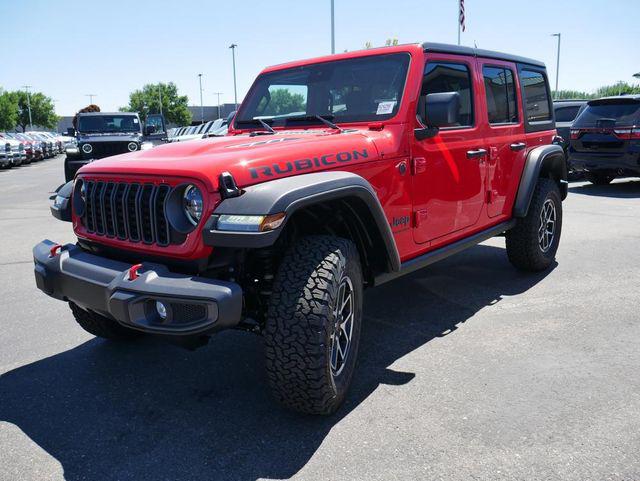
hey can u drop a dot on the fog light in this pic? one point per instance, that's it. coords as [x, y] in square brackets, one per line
[162, 310]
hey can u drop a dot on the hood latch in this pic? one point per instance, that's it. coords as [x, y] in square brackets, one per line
[227, 186]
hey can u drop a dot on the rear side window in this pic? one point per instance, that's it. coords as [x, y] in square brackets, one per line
[500, 90]
[566, 114]
[536, 96]
[619, 114]
[451, 77]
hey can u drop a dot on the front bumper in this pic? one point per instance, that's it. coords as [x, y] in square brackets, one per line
[6, 159]
[194, 305]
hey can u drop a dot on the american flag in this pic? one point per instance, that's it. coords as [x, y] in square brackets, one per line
[462, 14]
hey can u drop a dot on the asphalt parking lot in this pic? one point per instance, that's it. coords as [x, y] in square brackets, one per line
[468, 370]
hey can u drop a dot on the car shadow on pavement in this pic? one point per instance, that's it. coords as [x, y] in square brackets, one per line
[149, 410]
[621, 189]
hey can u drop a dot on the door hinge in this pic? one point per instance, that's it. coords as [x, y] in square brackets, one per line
[419, 217]
[418, 165]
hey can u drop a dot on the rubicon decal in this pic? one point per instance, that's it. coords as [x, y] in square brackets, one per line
[280, 168]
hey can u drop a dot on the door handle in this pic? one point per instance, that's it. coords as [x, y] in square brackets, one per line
[518, 146]
[472, 154]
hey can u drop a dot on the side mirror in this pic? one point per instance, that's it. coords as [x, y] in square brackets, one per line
[71, 132]
[437, 111]
[149, 129]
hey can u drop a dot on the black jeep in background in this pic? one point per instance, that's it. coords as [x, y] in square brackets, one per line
[605, 139]
[102, 134]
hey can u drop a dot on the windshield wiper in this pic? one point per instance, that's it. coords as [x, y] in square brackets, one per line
[266, 126]
[325, 119]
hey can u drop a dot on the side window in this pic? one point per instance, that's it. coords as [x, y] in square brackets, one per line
[501, 95]
[566, 114]
[451, 77]
[536, 96]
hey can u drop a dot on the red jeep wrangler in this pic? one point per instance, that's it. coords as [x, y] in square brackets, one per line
[338, 174]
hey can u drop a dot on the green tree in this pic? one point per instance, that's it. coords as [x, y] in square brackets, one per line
[617, 89]
[147, 101]
[42, 110]
[284, 102]
[8, 110]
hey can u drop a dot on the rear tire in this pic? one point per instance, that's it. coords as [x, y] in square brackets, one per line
[599, 178]
[101, 326]
[532, 244]
[313, 324]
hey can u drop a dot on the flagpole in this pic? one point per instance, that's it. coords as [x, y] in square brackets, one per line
[459, 21]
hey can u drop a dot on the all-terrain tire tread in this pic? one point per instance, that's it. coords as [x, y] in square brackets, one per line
[523, 250]
[299, 320]
[101, 326]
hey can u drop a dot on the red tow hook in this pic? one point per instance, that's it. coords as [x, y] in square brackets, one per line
[132, 273]
[54, 250]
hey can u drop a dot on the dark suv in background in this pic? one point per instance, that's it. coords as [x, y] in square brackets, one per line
[565, 112]
[605, 139]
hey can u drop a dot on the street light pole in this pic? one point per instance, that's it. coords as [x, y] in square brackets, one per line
[333, 28]
[235, 88]
[218, 94]
[91, 97]
[26, 88]
[201, 104]
[160, 96]
[559, 35]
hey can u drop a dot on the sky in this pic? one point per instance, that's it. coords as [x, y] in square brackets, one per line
[68, 49]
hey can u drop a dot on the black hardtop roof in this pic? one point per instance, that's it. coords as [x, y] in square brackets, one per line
[95, 114]
[477, 52]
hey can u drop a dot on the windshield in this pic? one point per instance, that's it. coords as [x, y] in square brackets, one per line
[108, 123]
[353, 90]
[609, 114]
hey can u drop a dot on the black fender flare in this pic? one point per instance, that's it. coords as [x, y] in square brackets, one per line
[291, 194]
[541, 161]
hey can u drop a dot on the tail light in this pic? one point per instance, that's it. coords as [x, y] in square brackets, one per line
[574, 134]
[627, 134]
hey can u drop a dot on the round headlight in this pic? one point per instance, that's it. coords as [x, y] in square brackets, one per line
[87, 149]
[192, 203]
[132, 146]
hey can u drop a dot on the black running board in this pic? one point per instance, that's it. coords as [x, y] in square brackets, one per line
[442, 253]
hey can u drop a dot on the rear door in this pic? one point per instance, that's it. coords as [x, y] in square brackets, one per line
[504, 133]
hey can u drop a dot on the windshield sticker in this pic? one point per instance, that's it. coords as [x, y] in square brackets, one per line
[135, 120]
[385, 107]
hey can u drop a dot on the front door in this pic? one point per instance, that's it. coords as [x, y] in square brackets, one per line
[449, 169]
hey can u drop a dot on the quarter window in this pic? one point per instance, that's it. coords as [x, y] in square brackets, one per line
[501, 95]
[451, 77]
[566, 114]
[536, 96]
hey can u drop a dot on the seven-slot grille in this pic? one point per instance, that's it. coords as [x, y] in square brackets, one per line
[128, 211]
[106, 149]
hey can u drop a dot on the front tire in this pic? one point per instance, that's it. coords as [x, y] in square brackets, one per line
[532, 244]
[101, 326]
[313, 324]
